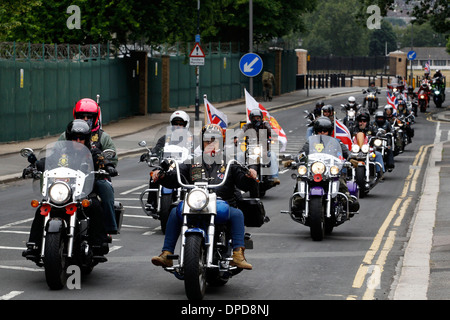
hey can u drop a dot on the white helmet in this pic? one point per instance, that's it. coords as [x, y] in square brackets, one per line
[351, 100]
[180, 115]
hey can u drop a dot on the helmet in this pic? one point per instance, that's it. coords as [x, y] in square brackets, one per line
[180, 115]
[363, 116]
[88, 107]
[256, 113]
[380, 118]
[328, 108]
[320, 104]
[323, 124]
[388, 107]
[351, 101]
[79, 129]
[410, 89]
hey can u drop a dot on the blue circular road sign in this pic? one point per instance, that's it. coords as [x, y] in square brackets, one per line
[250, 64]
[411, 55]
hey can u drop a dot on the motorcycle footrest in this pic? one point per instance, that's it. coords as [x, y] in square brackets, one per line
[172, 256]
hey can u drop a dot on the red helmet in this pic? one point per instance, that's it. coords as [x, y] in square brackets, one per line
[88, 108]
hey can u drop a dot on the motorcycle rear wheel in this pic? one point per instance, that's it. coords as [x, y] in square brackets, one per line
[55, 261]
[316, 218]
[194, 267]
[360, 181]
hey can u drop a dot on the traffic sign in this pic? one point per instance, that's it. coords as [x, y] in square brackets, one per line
[197, 52]
[250, 64]
[411, 55]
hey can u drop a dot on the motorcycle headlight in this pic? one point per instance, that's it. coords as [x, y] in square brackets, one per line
[355, 148]
[377, 142]
[365, 148]
[318, 168]
[351, 113]
[422, 96]
[436, 92]
[302, 170]
[59, 193]
[256, 151]
[197, 199]
[334, 170]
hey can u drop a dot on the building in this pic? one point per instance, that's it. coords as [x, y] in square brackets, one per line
[438, 57]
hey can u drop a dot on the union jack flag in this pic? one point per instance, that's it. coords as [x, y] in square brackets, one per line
[427, 67]
[392, 100]
[214, 116]
[342, 133]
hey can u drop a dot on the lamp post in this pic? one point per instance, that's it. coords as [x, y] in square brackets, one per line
[250, 38]
[197, 69]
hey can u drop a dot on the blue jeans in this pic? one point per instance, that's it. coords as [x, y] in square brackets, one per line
[106, 192]
[379, 158]
[174, 224]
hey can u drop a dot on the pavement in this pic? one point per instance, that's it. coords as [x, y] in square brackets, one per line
[424, 271]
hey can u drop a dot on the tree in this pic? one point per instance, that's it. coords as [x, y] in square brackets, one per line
[382, 38]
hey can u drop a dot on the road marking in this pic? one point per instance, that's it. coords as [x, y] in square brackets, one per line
[11, 295]
[366, 266]
[11, 231]
[134, 189]
[22, 268]
[16, 223]
[11, 248]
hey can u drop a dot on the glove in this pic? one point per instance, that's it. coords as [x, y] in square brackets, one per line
[32, 158]
[288, 163]
[112, 171]
[144, 157]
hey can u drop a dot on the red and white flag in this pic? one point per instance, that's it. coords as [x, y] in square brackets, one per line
[392, 100]
[250, 104]
[342, 133]
[214, 116]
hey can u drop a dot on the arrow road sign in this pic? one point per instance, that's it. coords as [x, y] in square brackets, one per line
[411, 55]
[251, 64]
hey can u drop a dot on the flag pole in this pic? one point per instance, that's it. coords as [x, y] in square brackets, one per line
[206, 110]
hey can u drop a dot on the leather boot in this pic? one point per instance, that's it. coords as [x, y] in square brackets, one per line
[162, 261]
[239, 259]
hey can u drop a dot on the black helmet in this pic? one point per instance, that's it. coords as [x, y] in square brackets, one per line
[79, 129]
[380, 118]
[323, 124]
[256, 113]
[320, 104]
[328, 108]
[363, 116]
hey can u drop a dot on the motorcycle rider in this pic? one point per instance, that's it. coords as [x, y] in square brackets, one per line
[324, 126]
[317, 112]
[390, 113]
[363, 125]
[402, 111]
[178, 119]
[88, 110]
[351, 104]
[213, 169]
[77, 131]
[257, 123]
[381, 122]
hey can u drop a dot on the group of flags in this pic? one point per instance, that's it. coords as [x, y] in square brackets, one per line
[215, 116]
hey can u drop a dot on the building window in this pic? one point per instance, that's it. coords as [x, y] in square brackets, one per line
[438, 63]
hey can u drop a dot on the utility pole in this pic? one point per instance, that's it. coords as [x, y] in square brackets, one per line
[197, 69]
[250, 39]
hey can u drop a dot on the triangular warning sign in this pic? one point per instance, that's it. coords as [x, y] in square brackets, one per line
[197, 52]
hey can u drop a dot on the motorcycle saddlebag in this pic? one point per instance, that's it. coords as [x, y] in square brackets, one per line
[253, 209]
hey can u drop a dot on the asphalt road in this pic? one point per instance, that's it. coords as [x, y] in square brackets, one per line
[357, 261]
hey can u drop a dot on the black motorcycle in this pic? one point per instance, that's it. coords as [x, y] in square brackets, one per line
[65, 191]
[371, 100]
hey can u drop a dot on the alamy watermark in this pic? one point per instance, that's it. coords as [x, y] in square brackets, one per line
[374, 21]
[74, 21]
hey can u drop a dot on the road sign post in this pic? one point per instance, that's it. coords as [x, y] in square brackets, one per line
[197, 58]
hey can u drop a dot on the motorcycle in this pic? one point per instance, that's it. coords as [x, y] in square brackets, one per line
[65, 188]
[423, 97]
[401, 136]
[166, 198]
[206, 245]
[364, 166]
[351, 113]
[316, 201]
[371, 99]
[438, 92]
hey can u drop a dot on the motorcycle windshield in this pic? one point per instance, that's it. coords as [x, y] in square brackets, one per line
[326, 149]
[178, 145]
[68, 162]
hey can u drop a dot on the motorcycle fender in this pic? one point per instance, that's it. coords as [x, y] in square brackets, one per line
[317, 191]
[55, 226]
[165, 190]
[196, 231]
[334, 188]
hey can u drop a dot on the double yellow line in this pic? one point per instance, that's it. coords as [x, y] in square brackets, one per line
[368, 269]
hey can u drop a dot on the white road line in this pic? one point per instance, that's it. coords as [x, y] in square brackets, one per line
[11, 231]
[132, 207]
[114, 248]
[22, 268]
[134, 189]
[136, 216]
[12, 248]
[15, 223]
[10, 295]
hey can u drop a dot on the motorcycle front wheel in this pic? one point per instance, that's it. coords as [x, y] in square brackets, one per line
[55, 261]
[361, 181]
[166, 202]
[316, 218]
[194, 267]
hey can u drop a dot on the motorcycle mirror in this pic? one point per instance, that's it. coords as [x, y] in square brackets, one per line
[287, 157]
[165, 165]
[306, 111]
[25, 152]
[142, 144]
[109, 153]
